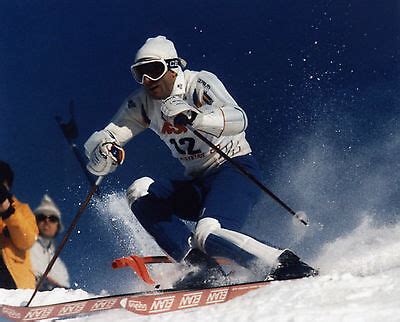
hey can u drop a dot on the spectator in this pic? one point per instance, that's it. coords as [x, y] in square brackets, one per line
[18, 232]
[48, 219]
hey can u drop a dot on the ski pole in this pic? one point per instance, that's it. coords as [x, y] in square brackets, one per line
[299, 215]
[66, 236]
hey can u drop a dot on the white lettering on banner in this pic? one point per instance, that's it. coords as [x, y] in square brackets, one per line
[11, 313]
[72, 308]
[137, 305]
[190, 300]
[38, 314]
[217, 296]
[162, 304]
[103, 305]
[123, 302]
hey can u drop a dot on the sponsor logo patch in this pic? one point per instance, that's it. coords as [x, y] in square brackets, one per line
[168, 128]
[72, 308]
[103, 304]
[137, 305]
[204, 84]
[38, 314]
[190, 300]
[131, 104]
[217, 296]
[162, 304]
[11, 313]
[193, 157]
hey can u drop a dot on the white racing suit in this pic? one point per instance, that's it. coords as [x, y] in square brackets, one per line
[223, 197]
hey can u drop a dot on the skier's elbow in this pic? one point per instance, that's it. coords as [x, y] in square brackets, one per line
[235, 121]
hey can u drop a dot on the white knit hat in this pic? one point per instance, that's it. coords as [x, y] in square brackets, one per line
[160, 48]
[49, 208]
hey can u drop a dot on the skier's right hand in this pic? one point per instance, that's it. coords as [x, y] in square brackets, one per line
[104, 153]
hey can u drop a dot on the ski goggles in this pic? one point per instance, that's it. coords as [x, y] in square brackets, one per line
[153, 69]
[53, 219]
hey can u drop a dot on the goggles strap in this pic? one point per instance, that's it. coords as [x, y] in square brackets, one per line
[173, 63]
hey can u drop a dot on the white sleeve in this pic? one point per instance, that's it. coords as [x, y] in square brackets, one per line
[39, 259]
[219, 115]
[130, 120]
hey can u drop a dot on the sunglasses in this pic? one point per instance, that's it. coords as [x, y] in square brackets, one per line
[52, 218]
[153, 69]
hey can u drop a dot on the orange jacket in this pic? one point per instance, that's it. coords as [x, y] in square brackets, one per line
[17, 235]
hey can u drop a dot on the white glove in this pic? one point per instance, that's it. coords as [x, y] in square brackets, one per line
[104, 153]
[174, 105]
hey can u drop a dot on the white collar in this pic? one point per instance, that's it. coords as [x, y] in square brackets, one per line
[45, 242]
[179, 85]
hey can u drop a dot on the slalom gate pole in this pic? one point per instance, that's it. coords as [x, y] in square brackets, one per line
[79, 158]
[70, 132]
[252, 178]
[66, 236]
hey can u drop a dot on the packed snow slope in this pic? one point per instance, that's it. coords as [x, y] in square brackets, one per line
[359, 282]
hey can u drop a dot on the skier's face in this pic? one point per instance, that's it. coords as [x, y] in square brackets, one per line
[48, 226]
[161, 88]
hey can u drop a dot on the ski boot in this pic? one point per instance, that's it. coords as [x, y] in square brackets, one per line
[207, 272]
[291, 267]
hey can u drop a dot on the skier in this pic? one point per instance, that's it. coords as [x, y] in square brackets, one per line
[215, 195]
[48, 219]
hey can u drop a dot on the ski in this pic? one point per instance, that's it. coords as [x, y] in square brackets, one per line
[143, 303]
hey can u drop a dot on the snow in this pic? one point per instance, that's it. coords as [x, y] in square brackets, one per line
[359, 281]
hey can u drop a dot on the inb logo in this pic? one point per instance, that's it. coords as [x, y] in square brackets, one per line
[217, 296]
[103, 305]
[190, 300]
[162, 304]
[72, 309]
[38, 314]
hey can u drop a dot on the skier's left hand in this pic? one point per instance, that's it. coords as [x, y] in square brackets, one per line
[177, 109]
[105, 158]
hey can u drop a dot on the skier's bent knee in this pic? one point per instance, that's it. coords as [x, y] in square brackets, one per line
[204, 228]
[139, 188]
